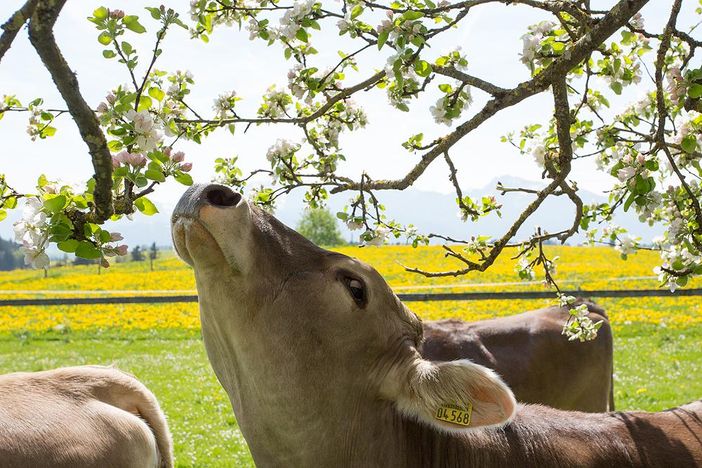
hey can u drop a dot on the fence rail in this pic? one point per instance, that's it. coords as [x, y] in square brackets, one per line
[409, 297]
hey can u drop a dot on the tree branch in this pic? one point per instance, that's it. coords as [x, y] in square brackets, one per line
[471, 80]
[14, 24]
[42, 38]
[608, 25]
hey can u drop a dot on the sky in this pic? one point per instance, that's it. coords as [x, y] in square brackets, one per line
[490, 37]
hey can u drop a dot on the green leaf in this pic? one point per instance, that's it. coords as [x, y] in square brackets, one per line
[105, 236]
[69, 245]
[422, 68]
[48, 132]
[145, 205]
[115, 145]
[689, 143]
[356, 11]
[302, 35]
[412, 15]
[383, 38]
[101, 13]
[629, 201]
[104, 38]
[127, 48]
[3, 214]
[55, 204]
[144, 103]
[154, 174]
[86, 249]
[132, 23]
[695, 91]
[616, 87]
[156, 93]
[184, 178]
[155, 12]
[108, 54]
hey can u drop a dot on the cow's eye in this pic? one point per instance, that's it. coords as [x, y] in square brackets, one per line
[357, 290]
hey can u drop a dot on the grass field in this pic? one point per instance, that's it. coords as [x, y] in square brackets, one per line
[658, 357]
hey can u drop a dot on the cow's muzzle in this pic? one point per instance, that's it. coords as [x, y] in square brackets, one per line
[200, 195]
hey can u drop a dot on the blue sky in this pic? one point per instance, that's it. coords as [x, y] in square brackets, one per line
[490, 37]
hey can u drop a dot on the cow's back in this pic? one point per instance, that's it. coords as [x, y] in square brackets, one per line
[53, 419]
[528, 350]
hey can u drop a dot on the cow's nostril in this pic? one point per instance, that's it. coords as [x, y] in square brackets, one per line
[220, 195]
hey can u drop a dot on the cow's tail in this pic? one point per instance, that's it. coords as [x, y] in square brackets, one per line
[126, 392]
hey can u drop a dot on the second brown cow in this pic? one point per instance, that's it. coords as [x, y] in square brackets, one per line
[532, 356]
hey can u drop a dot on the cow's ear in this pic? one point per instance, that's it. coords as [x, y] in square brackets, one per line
[452, 396]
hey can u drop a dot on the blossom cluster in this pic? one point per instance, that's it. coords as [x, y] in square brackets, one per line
[224, 104]
[532, 41]
[579, 325]
[32, 233]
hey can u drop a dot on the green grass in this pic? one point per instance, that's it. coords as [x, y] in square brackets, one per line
[655, 368]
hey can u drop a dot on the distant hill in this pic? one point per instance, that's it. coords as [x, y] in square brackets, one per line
[438, 213]
[11, 257]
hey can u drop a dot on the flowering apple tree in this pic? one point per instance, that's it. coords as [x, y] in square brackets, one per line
[579, 55]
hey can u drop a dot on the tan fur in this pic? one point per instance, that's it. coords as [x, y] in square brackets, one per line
[88, 416]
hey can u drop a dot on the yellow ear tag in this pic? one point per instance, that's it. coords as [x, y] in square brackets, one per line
[455, 414]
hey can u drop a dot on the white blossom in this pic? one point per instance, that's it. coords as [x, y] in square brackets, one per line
[290, 21]
[148, 133]
[32, 233]
[379, 236]
[353, 224]
[539, 154]
[626, 173]
[281, 149]
[224, 103]
[626, 244]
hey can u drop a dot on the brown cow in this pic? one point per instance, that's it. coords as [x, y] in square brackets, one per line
[532, 356]
[320, 362]
[74, 417]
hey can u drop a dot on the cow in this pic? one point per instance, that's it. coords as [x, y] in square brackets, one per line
[320, 361]
[80, 417]
[530, 353]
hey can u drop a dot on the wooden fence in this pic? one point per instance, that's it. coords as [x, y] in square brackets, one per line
[411, 297]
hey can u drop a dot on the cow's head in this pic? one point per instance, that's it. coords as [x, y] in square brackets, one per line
[294, 331]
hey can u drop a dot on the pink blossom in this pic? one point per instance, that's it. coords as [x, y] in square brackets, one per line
[136, 159]
[102, 108]
[115, 236]
[121, 249]
[167, 151]
[110, 98]
[119, 159]
[185, 167]
[117, 14]
[178, 156]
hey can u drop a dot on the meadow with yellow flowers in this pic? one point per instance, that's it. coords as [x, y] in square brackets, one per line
[657, 340]
[587, 268]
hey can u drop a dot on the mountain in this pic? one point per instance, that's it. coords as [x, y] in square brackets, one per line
[438, 212]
